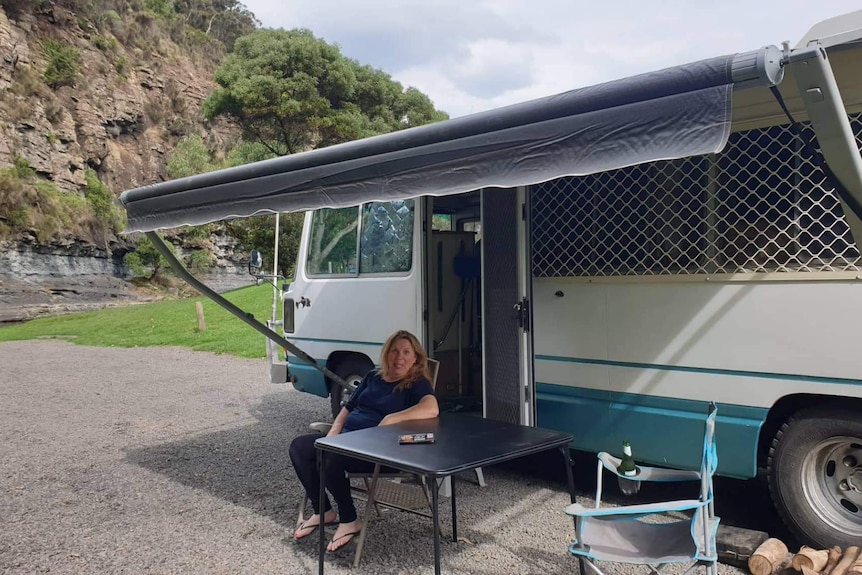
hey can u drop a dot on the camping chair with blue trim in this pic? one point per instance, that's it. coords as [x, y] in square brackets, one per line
[620, 534]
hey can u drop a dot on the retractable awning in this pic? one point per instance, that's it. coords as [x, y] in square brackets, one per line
[672, 113]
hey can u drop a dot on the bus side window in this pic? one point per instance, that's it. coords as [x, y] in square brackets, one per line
[332, 243]
[386, 242]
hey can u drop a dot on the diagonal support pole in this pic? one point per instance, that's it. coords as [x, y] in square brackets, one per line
[248, 318]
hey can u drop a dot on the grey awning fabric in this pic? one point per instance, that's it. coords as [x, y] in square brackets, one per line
[671, 113]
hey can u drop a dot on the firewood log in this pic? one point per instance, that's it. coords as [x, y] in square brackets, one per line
[834, 557]
[856, 566]
[814, 559]
[768, 557]
[850, 555]
[784, 568]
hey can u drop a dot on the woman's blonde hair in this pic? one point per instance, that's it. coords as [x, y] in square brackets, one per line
[417, 371]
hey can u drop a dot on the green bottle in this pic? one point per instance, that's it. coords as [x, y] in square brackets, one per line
[627, 471]
[627, 465]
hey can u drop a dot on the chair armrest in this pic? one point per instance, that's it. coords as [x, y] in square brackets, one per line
[579, 510]
[611, 463]
[321, 427]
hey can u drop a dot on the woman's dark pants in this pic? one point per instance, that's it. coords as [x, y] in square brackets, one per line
[304, 458]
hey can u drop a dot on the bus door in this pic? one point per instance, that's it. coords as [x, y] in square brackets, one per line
[506, 342]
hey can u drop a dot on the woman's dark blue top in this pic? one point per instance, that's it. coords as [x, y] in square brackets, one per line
[375, 398]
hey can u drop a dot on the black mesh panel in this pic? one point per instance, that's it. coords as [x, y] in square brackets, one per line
[500, 346]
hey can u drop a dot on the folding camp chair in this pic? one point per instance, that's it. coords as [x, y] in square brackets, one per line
[620, 534]
[390, 492]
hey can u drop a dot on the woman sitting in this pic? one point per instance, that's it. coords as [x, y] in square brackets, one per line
[399, 391]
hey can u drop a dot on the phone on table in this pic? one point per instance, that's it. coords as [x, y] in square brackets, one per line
[416, 438]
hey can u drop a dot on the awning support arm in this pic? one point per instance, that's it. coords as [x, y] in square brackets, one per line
[839, 154]
[248, 318]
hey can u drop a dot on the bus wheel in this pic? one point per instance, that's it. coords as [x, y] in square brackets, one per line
[351, 370]
[815, 476]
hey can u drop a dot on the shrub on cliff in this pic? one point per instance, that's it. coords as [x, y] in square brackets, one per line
[62, 63]
[102, 202]
[30, 204]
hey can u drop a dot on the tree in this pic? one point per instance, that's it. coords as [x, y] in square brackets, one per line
[146, 260]
[292, 92]
[190, 157]
[258, 232]
[224, 20]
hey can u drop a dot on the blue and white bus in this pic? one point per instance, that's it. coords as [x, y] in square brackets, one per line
[604, 262]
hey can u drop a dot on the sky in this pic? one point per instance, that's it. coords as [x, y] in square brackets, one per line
[473, 55]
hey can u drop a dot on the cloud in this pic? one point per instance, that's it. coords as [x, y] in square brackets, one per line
[396, 35]
[472, 55]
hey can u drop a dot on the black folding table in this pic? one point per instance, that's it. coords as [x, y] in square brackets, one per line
[461, 443]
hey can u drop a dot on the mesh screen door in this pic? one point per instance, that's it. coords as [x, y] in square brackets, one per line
[501, 349]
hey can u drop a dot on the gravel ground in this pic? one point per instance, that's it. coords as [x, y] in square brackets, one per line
[163, 460]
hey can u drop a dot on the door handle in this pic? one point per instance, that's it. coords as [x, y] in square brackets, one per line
[522, 314]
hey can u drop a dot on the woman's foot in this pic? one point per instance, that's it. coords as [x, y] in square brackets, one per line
[312, 523]
[344, 535]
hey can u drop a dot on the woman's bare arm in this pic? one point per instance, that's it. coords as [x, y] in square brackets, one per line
[427, 408]
[338, 424]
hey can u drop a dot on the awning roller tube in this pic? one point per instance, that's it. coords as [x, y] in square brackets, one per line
[758, 68]
[672, 113]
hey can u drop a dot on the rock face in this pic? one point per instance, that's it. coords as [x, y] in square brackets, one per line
[125, 110]
[70, 275]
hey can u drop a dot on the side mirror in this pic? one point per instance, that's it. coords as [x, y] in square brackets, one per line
[255, 262]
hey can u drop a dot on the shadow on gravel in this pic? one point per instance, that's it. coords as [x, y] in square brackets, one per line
[246, 466]
[744, 504]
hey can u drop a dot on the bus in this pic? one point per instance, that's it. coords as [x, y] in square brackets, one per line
[603, 262]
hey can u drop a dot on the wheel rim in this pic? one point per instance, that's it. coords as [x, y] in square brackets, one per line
[353, 380]
[832, 482]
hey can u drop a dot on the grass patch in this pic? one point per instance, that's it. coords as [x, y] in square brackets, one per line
[165, 323]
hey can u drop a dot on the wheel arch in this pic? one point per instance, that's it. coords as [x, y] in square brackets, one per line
[786, 406]
[337, 358]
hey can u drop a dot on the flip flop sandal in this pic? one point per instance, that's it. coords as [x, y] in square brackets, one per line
[312, 527]
[351, 535]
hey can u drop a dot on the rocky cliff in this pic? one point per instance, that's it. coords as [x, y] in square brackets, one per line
[135, 93]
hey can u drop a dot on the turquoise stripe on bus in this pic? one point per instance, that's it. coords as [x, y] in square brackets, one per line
[341, 341]
[708, 370]
[308, 378]
[663, 431]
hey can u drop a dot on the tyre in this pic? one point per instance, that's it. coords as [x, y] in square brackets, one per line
[351, 370]
[815, 476]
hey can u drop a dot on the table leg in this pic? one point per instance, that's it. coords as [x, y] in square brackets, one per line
[454, 514]
[567, 459]
[370, 504]
[435, 516]
[322, 506]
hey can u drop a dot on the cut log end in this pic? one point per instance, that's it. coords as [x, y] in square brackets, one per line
[768, 557]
